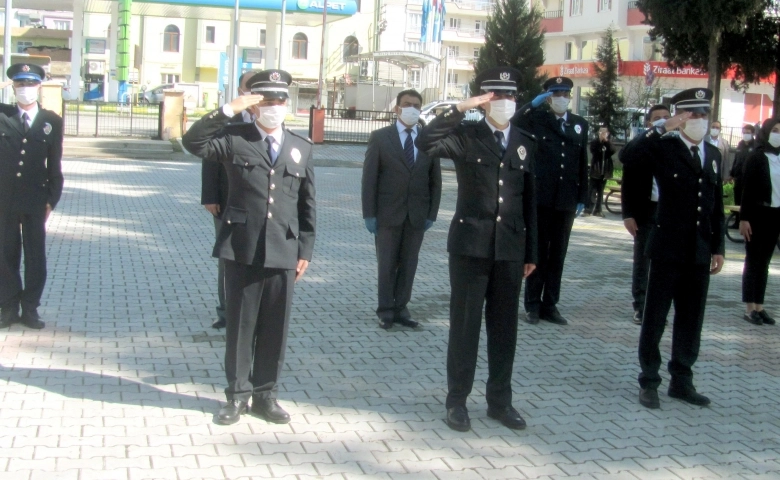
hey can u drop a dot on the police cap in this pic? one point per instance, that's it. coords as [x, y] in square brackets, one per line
[271, 84]
[25, 71]
[694, 100]
[558, 84]
[500, 80]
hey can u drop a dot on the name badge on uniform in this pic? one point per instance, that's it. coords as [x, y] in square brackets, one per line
[578, 129]
[715, 166]
[521, 152]
[296, 155]
[47, 128]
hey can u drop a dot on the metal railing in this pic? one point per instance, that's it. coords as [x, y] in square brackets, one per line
[632, 5]
[350, 125]
[111, 119]
[466, 32]
[553, 14]
[475, 5]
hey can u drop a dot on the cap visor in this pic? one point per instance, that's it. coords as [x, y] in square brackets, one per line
[705, 110]
[26, 76]
[272, 95]
[559, 88]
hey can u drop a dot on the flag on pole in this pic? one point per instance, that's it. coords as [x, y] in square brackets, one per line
[426, 10]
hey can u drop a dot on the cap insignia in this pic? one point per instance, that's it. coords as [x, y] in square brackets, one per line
[504, 75]
[275, 76]
[559, 80]
[700, 94]
[25, 68]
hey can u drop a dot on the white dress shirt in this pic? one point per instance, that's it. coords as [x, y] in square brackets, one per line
[774, 176]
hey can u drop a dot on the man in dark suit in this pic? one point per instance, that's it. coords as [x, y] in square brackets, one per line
[401, 190]
[492, 240]
[266, 239]
[562, 190]
[30, 187]
[214, 195]
[639, 213]
[686, 243]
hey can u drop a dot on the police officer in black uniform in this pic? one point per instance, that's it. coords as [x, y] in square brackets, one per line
[266, 238]
[492, 240]
[30, 187]
[686, 243]
[562, 190]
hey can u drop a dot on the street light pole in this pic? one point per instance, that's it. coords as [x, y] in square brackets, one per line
[281, 36]
[7, 45]
[232, 80]
[320, 83]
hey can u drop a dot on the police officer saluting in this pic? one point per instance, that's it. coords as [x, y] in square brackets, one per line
[492, 240]
[30, 187]
[686, 243]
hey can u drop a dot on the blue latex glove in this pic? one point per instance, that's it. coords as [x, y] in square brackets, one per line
[428, 224]
[540, 99]
[580, 208]
[371, 225]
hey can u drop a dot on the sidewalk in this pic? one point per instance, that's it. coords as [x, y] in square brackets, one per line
[125, 378]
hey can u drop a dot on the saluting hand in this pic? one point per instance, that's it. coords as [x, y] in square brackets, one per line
[300, 268]
[242, 102]
[677, 120]
[474, 102]
[717, 264]
[7, 83]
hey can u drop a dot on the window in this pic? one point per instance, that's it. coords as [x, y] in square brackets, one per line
[62, 25]
[605, 5]
[569, 51]
[622, 49]
[20, 46]
[452, 78]
[171, 39]
[211, 33]
[453, 51]
[576, 8]
[414, 46]
[170, 78]
[454, 23]
[350, 47]
[478, 27]
[300, 46]
[414, 77]
[261, 39]
[476, 54]
[413, 21]
[589, 49]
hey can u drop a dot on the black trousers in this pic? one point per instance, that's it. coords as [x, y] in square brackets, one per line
[257, 315]
[758, 254]
[641, 263]
[543, 286]
[22, 232]
[397, 250]
[686, 286]
[595, 190]
[220, 274]
[474, 283]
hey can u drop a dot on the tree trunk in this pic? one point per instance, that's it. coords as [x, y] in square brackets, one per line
[713, 71]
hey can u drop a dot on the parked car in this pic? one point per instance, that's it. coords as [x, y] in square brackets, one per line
[154, 95]
[430, 110]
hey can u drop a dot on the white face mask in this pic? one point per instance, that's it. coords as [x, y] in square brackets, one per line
[502, 110]
[659, 123]
[27, 95]
[696, 129]
[272, 116]
[714, 132]
[747, 137]
[774, 139]
[409, 116]
[559, 104]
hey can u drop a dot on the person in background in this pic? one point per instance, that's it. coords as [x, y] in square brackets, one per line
[760, 219]
[601, 166]
[717, 140]
[745, 149]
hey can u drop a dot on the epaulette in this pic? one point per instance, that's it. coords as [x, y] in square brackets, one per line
[237, 125]
[525, 132]
[307, 139]
[672, 134]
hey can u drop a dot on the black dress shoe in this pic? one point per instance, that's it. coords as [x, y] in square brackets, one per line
[219, 323]
[231, 413]
[458, 418]
[8, 316]
[648, 397]
[31, 319]
[532, 318]
[754, 317]
[268, 409]
[689, 395]
[766, 318]
[638, 316]
[554, 317]
[407, 322]
[385, 323]
[508, 416]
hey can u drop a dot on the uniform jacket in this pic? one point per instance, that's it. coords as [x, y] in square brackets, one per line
[636, 187]
[725, 154]
[495, 214]
[744, 150]
[269, 218]
[214, 181]
[689, 225]
[562, 161]
[30, 164]
[757, 191]
[391, 190]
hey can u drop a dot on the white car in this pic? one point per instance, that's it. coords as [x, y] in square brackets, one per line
[430, 110]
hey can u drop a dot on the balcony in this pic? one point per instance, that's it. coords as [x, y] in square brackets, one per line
[634, 16]
[471, 7]
[461, 63]
[462, 34]
[552, 21]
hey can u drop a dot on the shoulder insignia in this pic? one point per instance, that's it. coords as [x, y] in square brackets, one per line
[525, 132]
[305, 139]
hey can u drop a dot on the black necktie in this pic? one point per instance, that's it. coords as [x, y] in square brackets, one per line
[500, 140]
[270, 141]
[26, 125]
[696, 157]
[560, 124]
[409, 148]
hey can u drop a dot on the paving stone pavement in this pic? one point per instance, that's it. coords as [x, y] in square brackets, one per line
[124, 380]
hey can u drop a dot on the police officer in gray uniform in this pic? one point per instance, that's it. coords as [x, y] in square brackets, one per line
[30, 187]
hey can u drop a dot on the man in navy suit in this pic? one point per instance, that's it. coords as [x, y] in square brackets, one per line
[401, 190]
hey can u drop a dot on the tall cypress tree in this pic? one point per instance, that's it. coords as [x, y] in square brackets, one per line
[606, 102]
[514, 37]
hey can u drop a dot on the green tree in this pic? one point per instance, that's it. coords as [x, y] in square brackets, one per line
[606, 102]
[692, 32]
[514, 37]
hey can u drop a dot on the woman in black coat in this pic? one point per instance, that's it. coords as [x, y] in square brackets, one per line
[745, 149]
[601, 151]
[760, 219]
